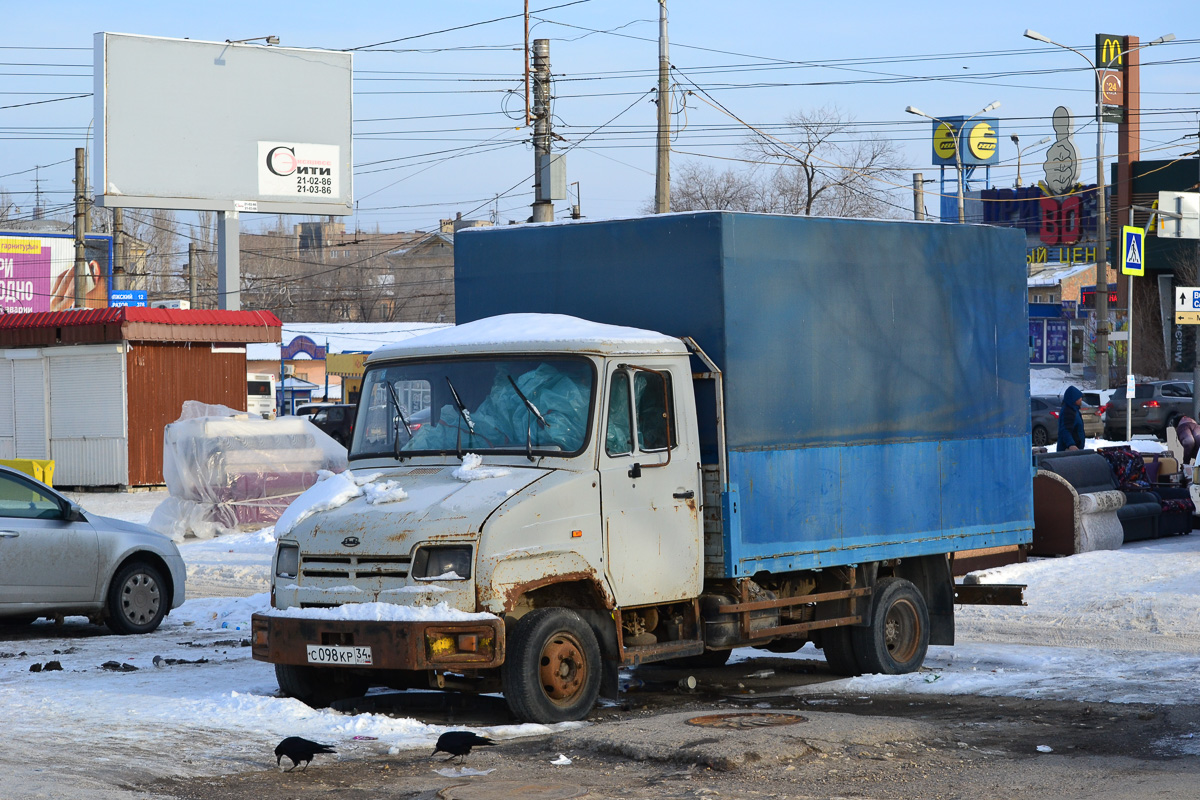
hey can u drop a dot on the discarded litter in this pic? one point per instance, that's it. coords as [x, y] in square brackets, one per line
[561, 761]
[762, 673]
[461, 772]
[1045, 748]
[117, 666]
[160, 662]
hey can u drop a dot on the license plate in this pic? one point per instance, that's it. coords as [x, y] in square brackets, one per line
[332, 654]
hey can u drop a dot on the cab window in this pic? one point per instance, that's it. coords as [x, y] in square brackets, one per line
[655, 414]
[619, 439]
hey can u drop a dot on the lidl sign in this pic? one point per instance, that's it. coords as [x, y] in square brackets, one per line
[978, 139]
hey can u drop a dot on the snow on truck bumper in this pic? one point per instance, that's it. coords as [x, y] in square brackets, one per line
[387, 644]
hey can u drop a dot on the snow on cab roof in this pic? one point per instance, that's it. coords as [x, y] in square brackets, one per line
[532, 332]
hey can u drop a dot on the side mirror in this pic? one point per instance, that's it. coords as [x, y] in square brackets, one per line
[74, 513]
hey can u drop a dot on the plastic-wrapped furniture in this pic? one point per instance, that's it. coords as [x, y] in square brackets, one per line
[1077, 507]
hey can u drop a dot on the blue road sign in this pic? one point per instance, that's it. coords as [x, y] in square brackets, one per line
[132, 298]
[1132, 261]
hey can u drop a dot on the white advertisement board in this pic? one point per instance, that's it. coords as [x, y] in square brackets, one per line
[218, 126]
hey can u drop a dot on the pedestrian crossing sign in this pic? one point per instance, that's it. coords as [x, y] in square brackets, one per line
[1132, 257]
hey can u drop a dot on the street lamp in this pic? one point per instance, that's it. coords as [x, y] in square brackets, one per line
[1101, 200]
[1016, 140]
[957, 135]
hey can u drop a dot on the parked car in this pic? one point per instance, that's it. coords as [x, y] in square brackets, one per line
[56, 559]
[1044, 419]
[336, 420]
[1157, 405]
[308, 409]
[1043, 412]
[1099, 398]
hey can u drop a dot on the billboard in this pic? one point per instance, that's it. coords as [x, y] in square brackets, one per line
[219, 126]
[978, 138]
[36, 272]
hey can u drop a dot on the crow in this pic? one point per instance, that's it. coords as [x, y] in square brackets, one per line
[459, 744]
[298, 750]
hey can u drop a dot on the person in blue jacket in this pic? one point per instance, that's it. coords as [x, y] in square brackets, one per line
[1070, 422]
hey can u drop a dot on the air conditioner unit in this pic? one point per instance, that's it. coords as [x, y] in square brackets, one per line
[289, 371]
[170, 304]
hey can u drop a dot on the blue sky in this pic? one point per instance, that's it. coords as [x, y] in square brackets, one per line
[440, 105]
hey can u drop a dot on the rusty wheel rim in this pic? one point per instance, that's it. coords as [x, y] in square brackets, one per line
[562, 668]
[901, 630]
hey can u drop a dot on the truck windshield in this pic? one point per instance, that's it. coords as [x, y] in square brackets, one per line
[500, 420]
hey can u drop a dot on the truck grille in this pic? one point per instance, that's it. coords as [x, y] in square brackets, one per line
[352, 567]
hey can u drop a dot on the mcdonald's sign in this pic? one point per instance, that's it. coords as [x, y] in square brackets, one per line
[1110, 51]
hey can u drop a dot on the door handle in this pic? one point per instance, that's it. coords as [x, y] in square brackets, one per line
[9, 534]
[688, 495]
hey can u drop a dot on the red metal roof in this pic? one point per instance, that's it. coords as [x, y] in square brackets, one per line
[115, 316]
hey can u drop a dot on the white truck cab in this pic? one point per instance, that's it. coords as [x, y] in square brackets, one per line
[556, 478]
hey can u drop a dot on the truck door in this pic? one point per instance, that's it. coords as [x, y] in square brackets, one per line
[649, 486]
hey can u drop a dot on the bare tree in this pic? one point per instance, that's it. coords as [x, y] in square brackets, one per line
[822, 166]
[818, 165]
[696, 187]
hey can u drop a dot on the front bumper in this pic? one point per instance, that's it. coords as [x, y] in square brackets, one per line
[444, 645]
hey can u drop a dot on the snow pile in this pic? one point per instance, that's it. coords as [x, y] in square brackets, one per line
[335, 490]
[472, 469]
[386, 492]
[382, 612]
[324, 495]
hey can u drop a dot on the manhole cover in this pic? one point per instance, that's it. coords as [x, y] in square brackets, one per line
[511, 790]
[745, 721]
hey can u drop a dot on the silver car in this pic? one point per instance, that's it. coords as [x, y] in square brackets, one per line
[57, 560]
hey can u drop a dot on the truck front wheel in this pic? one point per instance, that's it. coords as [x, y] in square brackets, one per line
[317, 687]
[897, 637]
[552, 669]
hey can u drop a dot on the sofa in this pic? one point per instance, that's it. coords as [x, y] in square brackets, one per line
[1077, 507]
[1129, 470]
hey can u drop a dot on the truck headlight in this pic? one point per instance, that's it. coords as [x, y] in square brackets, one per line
[442, 563]
[287, 561]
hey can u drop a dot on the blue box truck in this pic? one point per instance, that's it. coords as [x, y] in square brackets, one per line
[697, 431]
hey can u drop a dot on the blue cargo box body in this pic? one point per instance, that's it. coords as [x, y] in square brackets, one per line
[876, 373]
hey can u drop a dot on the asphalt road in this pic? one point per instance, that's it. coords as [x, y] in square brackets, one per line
[741, 736]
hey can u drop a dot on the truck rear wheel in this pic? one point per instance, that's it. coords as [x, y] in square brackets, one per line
[552, 669]
[317, 687]
[838, 647]
[897, 637]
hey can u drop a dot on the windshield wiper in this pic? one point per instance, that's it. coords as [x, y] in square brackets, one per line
[528, 425]
[462, 412]
[399, 417]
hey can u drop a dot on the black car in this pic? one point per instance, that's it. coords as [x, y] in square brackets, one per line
[337, 421]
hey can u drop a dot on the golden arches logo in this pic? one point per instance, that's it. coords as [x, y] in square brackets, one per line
[1110, 53]
[982, 141]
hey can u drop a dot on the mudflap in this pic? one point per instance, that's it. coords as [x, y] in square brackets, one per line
[602, 624]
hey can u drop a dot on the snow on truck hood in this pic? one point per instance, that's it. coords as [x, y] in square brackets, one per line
[509, 333]
[401, 498]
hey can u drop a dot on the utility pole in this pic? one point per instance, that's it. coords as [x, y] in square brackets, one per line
[80, 224]
[119, 263]
[662, 174]
[191, 269]
[543, 209]
[918, 196]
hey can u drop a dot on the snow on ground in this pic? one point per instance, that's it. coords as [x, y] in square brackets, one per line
[1114, 626]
